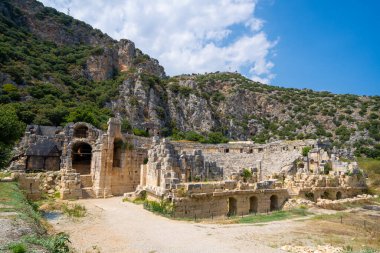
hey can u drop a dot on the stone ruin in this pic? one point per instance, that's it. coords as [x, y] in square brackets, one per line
[89, 161]
[203, 180]
[167, 167]
[199, 188]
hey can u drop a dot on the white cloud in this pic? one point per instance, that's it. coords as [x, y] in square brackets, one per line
[187, 36]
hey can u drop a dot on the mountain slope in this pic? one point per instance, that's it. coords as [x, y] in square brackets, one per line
[55, 69]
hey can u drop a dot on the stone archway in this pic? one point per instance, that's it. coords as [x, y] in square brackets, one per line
[232, 206]
[338, 195]
[273, 203]
[325, 195]
[81, 158]
[253, 204]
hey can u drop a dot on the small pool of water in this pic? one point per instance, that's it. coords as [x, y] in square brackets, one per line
[50, 216]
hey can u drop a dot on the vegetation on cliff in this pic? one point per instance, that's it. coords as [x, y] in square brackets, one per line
[47, 77]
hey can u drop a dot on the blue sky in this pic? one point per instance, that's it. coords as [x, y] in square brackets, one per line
[329, 45]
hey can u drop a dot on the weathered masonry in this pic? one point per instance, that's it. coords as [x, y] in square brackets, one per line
[92, 163]
[198, 187]
[201, 180]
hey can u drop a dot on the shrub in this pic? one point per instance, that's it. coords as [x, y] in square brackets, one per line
[305, 151]
[17, 247]
[58, 243]
[215, 138]
[163, 207]
[75, 210]
[246, 174]
[140, 132]
[125, 126]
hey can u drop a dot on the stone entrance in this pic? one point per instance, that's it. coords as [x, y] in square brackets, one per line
[232, 206]
[253, 204]
[273, 203]
[81, 158]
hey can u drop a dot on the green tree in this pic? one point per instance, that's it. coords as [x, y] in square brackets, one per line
[305, 151]
[246, 174]
[11, 129]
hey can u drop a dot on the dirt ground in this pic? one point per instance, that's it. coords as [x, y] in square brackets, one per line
[115, 226]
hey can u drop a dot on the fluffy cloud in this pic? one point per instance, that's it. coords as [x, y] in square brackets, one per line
[187, 36]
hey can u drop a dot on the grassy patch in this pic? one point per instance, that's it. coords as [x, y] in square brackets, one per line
[164, 208]
[14, 200]
[56, 243]
[274, 216]
[17, 247]
[74, 210]
[352, 230]
[4, 174]
[372, 168]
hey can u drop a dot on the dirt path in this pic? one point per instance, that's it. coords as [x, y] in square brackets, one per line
[114, 226]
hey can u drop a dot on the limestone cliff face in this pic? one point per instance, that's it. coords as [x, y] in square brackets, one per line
[111, 58]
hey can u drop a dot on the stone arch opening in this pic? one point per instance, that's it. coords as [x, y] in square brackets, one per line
[273, 203]
[325, 195]
[117, 150]
[309, 196]
[81, 158]
[253, 204]
[81, 131]
[232, 206]
[338, 195]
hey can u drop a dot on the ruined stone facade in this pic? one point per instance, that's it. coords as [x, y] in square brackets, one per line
[201, 180]
[197, 189]
[91, 162]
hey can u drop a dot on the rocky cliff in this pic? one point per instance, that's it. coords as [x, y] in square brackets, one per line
[92, 76]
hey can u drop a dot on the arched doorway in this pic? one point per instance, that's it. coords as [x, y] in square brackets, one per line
[253, 204]
[338, 195]
[273, 203]
[232, 206]
[117, 150]
[325, 195]
[309, 196]
[81, 158]
[81, 132]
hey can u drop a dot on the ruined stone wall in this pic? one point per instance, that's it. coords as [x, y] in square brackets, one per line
[127, 177]
[167, 167]
[215, 204]
[35, 185]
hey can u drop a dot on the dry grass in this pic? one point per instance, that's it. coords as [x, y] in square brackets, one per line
[372, 168]
[356, 229]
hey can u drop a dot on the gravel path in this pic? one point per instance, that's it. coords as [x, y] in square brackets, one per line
[114, 226]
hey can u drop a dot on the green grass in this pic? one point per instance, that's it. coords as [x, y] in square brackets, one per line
[75, 210]
[17, 247]
[274, 216]
[372, 168]
[13, 200]
[4, 174]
